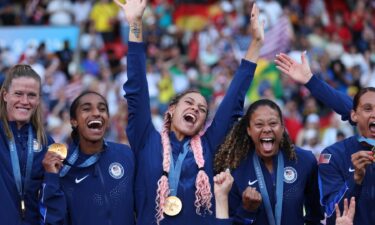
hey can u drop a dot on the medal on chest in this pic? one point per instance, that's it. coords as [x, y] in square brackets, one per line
[173, 206]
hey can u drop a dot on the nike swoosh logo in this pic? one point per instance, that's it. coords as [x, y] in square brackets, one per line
[81, 179]
[351, 170]
[252, 182]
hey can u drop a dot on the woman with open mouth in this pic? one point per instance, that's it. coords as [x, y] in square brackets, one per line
[174, 182]
[94, 184]
[346, 168]
[274, 181]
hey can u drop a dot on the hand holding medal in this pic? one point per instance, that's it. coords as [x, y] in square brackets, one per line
[53, 160]
[59, 149]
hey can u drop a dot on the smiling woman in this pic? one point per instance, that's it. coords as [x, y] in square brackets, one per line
[95, 182]
[23, 144]
[274, 180]
[174, 173]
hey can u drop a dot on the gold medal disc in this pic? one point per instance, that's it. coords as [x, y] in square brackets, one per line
[59, 149]
[173, 206]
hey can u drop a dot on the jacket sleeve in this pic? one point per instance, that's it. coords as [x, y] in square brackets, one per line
[336, 100]
[237, 212]
[137, 96]
[232, 105]
[314, 212]
[334, 184]
[53, 206]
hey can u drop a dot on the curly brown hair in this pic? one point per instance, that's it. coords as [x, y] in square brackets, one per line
[238, 143]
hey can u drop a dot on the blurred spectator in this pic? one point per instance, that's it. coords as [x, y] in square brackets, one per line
[60, 12]
[103, 15]
[312, 142]
[81, 11]
[311, 122]
[339, 37]
[90, 38]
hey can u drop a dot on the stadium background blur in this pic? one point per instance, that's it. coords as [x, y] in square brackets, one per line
[76, 45]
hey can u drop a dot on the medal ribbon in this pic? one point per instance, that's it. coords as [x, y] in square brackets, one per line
[16, 165]
[73, 158]
[279, 189]
[367, 140]
[175, 170]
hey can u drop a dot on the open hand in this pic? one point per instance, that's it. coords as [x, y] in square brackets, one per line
[133, 9]
[299, 72]
[347, 215]
[256, 27]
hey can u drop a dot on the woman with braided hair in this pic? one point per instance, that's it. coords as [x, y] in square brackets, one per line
[273, 179]
[174, 174]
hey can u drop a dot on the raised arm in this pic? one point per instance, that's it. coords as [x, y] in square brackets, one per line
[136, 88]
[301, 73]
[222, 185]
[231, 108]
[134, 10]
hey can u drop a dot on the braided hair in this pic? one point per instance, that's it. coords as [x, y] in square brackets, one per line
[203, 193]
[238, 143]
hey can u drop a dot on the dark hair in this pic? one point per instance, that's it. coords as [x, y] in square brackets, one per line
[19, 71]
[73, 111]
[359, 94]
[238, 143]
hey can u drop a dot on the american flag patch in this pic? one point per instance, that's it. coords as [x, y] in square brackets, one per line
[324, 158]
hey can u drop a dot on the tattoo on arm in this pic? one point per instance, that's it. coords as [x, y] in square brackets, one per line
[135, 30]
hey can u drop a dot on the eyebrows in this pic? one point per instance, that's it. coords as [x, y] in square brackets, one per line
[193, 100]
[89, 104]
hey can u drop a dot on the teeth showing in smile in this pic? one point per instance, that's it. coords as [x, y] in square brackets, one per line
[267, 143]
[266, 139]
[190, 118]
[95, 124]
[372, 126]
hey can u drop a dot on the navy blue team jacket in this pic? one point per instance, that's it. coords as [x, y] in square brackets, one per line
[9, 198]
[300, 190]
[101, 194]
[336, 181]
[146, 141]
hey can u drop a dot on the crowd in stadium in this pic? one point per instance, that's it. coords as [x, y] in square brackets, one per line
[200, 50]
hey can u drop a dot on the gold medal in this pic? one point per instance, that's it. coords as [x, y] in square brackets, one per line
[59, 149]
[173, 206]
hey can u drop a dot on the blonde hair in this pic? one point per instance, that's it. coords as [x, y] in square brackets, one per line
[36, 119]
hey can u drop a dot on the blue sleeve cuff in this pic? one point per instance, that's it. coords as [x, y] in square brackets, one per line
[52, 179]
[247, 63]
[223, 221]
[136, 47]
[313, 83]
[246, 216]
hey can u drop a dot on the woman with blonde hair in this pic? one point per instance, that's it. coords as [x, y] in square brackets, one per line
[23, 144]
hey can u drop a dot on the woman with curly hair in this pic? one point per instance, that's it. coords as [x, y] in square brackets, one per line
[274, 181]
